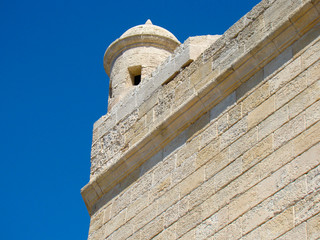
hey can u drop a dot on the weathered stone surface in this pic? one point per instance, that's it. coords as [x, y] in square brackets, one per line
[220, 140]
[313, 229]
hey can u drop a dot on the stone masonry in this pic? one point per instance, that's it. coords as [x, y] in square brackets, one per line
[220, 139]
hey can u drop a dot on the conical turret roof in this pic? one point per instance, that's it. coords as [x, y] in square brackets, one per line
[142, 35]
[149, 29]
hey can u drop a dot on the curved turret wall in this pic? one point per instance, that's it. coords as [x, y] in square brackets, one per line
[134, 56]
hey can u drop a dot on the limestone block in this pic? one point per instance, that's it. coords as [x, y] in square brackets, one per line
[234, 114]
[137, 206]
[96, 222]
[165, 102]
[184, 169]
[290, 90]
[183, 93]
[186, 53]
[120, 202]
[273, 122]
[299, 232]
[145, 216]
[278, 225]
[305, 99]
[231, 231]
[148, 104]
[274, 205]
[135, 128]
[107, 213]
[313, 227]
[167, 234]
[99, 234]
[200, 194]
[307, 139]
[128, 122]
[278, 12]
[305, 162]
[255, 98]
[276, 160]
[212, 224]
[113, 142]
[165, 73]
[140, 134]
[144, 91]
[217, 163]
[171, 215]
[126, 107]
[199, 83]
[122, 233]
[134, 236]
[253, 32]
[160, 188]
[244, 143]
[258, 152]
[197, 127]
[140, 187]
[312, 73]
[153, 228]
[261, 112]
[191, 235]
[208, 152]
[187, 151]
[191, 182]
[256, 216]
[115, 223]
[313, 180]
[168, 199]
[222, 123]
[233, 50]
[101, 126]
[196, 77]
[311, 55]
[241, 204]
[234, 133]
[188, 221]
[229, 173]
[256, 234]
[209, 134]
[307, 207]
[164, 168]
[184, 205]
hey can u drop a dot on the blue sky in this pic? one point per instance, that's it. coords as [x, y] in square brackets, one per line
[53, 88]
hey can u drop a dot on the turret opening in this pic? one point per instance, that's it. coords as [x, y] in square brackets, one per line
[136, 80]
[135, 74]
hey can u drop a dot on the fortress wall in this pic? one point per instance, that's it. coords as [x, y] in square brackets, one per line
[229, 148]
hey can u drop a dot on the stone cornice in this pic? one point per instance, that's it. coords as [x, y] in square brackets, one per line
[217, 76]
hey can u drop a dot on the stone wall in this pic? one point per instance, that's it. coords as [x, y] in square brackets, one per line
[228, 148]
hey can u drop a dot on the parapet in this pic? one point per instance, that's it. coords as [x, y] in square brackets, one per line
[108, 130]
